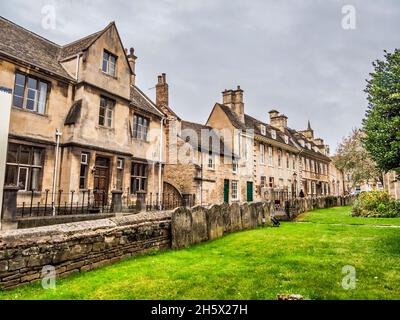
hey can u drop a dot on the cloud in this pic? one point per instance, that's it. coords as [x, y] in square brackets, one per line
[290, 55]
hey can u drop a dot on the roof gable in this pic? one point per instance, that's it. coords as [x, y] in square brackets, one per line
[21, 44]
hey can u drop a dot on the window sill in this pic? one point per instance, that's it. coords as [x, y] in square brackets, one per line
[105, 128]
[29, 193]
[31, 112]
[108, 75]
[140, 140]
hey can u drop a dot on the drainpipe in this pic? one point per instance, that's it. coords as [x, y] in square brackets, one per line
[160, 163]
[58, 135]
[77, 67]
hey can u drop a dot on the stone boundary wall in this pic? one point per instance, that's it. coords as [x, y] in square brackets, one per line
[83, 246]
[78, 247]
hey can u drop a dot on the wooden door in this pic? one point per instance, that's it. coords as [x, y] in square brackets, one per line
[101, 181]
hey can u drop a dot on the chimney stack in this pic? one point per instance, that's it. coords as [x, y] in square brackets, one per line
[277, 120]
[132, 62]
[234, 100]
[162, 95]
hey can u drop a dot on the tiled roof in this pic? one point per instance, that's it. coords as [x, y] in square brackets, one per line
[74, 113]
[28, 47]
[78, 46]
[280, 136]
[252, 123]
[141, 101]
[197, 127]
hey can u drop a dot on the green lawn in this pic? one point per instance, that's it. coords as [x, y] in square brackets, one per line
[339, 215]
[303, 258]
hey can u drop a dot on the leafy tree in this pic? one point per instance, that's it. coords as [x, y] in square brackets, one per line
[352, 158]
[382, 122]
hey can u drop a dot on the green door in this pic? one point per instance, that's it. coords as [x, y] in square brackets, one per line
[249, 191]
[226, 191]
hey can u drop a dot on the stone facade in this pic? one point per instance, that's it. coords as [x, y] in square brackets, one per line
[259, 161]
[392, 185]
[106, 121]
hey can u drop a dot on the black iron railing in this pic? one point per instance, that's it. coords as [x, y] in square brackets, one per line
[36, 204]
[41, 204]
[169, 201]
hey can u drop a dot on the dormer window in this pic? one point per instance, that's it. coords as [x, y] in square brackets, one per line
[286, 139]
[273, 134]
[109, 63]
[263, 130]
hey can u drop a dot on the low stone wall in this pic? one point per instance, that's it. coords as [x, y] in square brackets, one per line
[299, 206]
[83, 246]
[78, 247]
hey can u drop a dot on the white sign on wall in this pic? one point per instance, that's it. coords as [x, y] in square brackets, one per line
[5, 109]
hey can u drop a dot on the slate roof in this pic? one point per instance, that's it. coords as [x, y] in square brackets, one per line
[232, 117]
[252, 123]
[78, 46]
[74, 113]
[142, 102]
[197, 127]
[280, 136]
[28, 47]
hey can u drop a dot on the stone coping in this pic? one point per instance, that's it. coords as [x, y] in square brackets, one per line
[58, 233]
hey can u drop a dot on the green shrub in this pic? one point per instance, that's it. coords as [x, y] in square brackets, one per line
[376, 204]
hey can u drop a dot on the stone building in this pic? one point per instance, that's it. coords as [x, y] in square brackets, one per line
[392, 185]
[86, 90]
[337, 181]
[197, 159]
[276, 158]
[253, 160]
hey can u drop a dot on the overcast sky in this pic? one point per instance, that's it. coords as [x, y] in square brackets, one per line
[290, 55]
